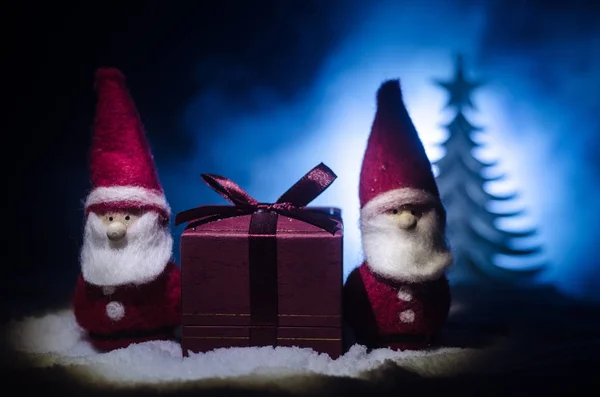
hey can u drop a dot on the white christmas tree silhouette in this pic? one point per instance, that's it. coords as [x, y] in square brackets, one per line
[472, 233]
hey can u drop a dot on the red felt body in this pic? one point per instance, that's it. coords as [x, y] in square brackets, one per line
[372, 309]
[152, 310]
[216, 287]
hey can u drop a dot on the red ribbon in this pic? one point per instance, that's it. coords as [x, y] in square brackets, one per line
[290, 204]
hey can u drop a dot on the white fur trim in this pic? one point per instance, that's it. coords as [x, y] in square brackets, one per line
[395, 198]
[115, 310]
[407, 316]
[405, 294]
[115, 194]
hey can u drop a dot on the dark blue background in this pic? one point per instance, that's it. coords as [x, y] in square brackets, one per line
[262, 91]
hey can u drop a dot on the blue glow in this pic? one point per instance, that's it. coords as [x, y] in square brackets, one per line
[266, 151]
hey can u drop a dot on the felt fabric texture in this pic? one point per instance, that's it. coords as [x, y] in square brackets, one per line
[395, 315]
[395, 157]
[122, 169]
[151, 311]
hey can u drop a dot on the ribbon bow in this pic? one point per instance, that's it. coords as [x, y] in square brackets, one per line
[292, 203]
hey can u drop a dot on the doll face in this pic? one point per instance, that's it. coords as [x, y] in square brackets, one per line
[124, 247]
[126, 218]
[408, 216]
[404, 218]
[403, 236]
[117, 223]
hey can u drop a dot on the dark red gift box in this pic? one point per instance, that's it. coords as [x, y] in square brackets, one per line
[257, 274]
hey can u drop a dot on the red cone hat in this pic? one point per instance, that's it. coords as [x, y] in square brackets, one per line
[395, 166]
[123, 173]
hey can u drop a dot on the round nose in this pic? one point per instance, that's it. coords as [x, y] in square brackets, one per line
[116, 231]
[406, 220]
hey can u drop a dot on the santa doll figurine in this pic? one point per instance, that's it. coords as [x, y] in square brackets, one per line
[399, 296]
[128, 290]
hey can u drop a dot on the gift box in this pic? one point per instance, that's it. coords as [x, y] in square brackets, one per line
[256, 274]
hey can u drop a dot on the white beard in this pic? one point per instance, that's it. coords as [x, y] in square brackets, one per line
[139, 259]
[416, 255]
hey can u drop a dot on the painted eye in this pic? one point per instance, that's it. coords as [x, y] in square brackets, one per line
[110, 218]
[415, 211]
[419, 211]
[127, 218]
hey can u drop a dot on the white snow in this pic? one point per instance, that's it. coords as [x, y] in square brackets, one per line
[56, 339]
